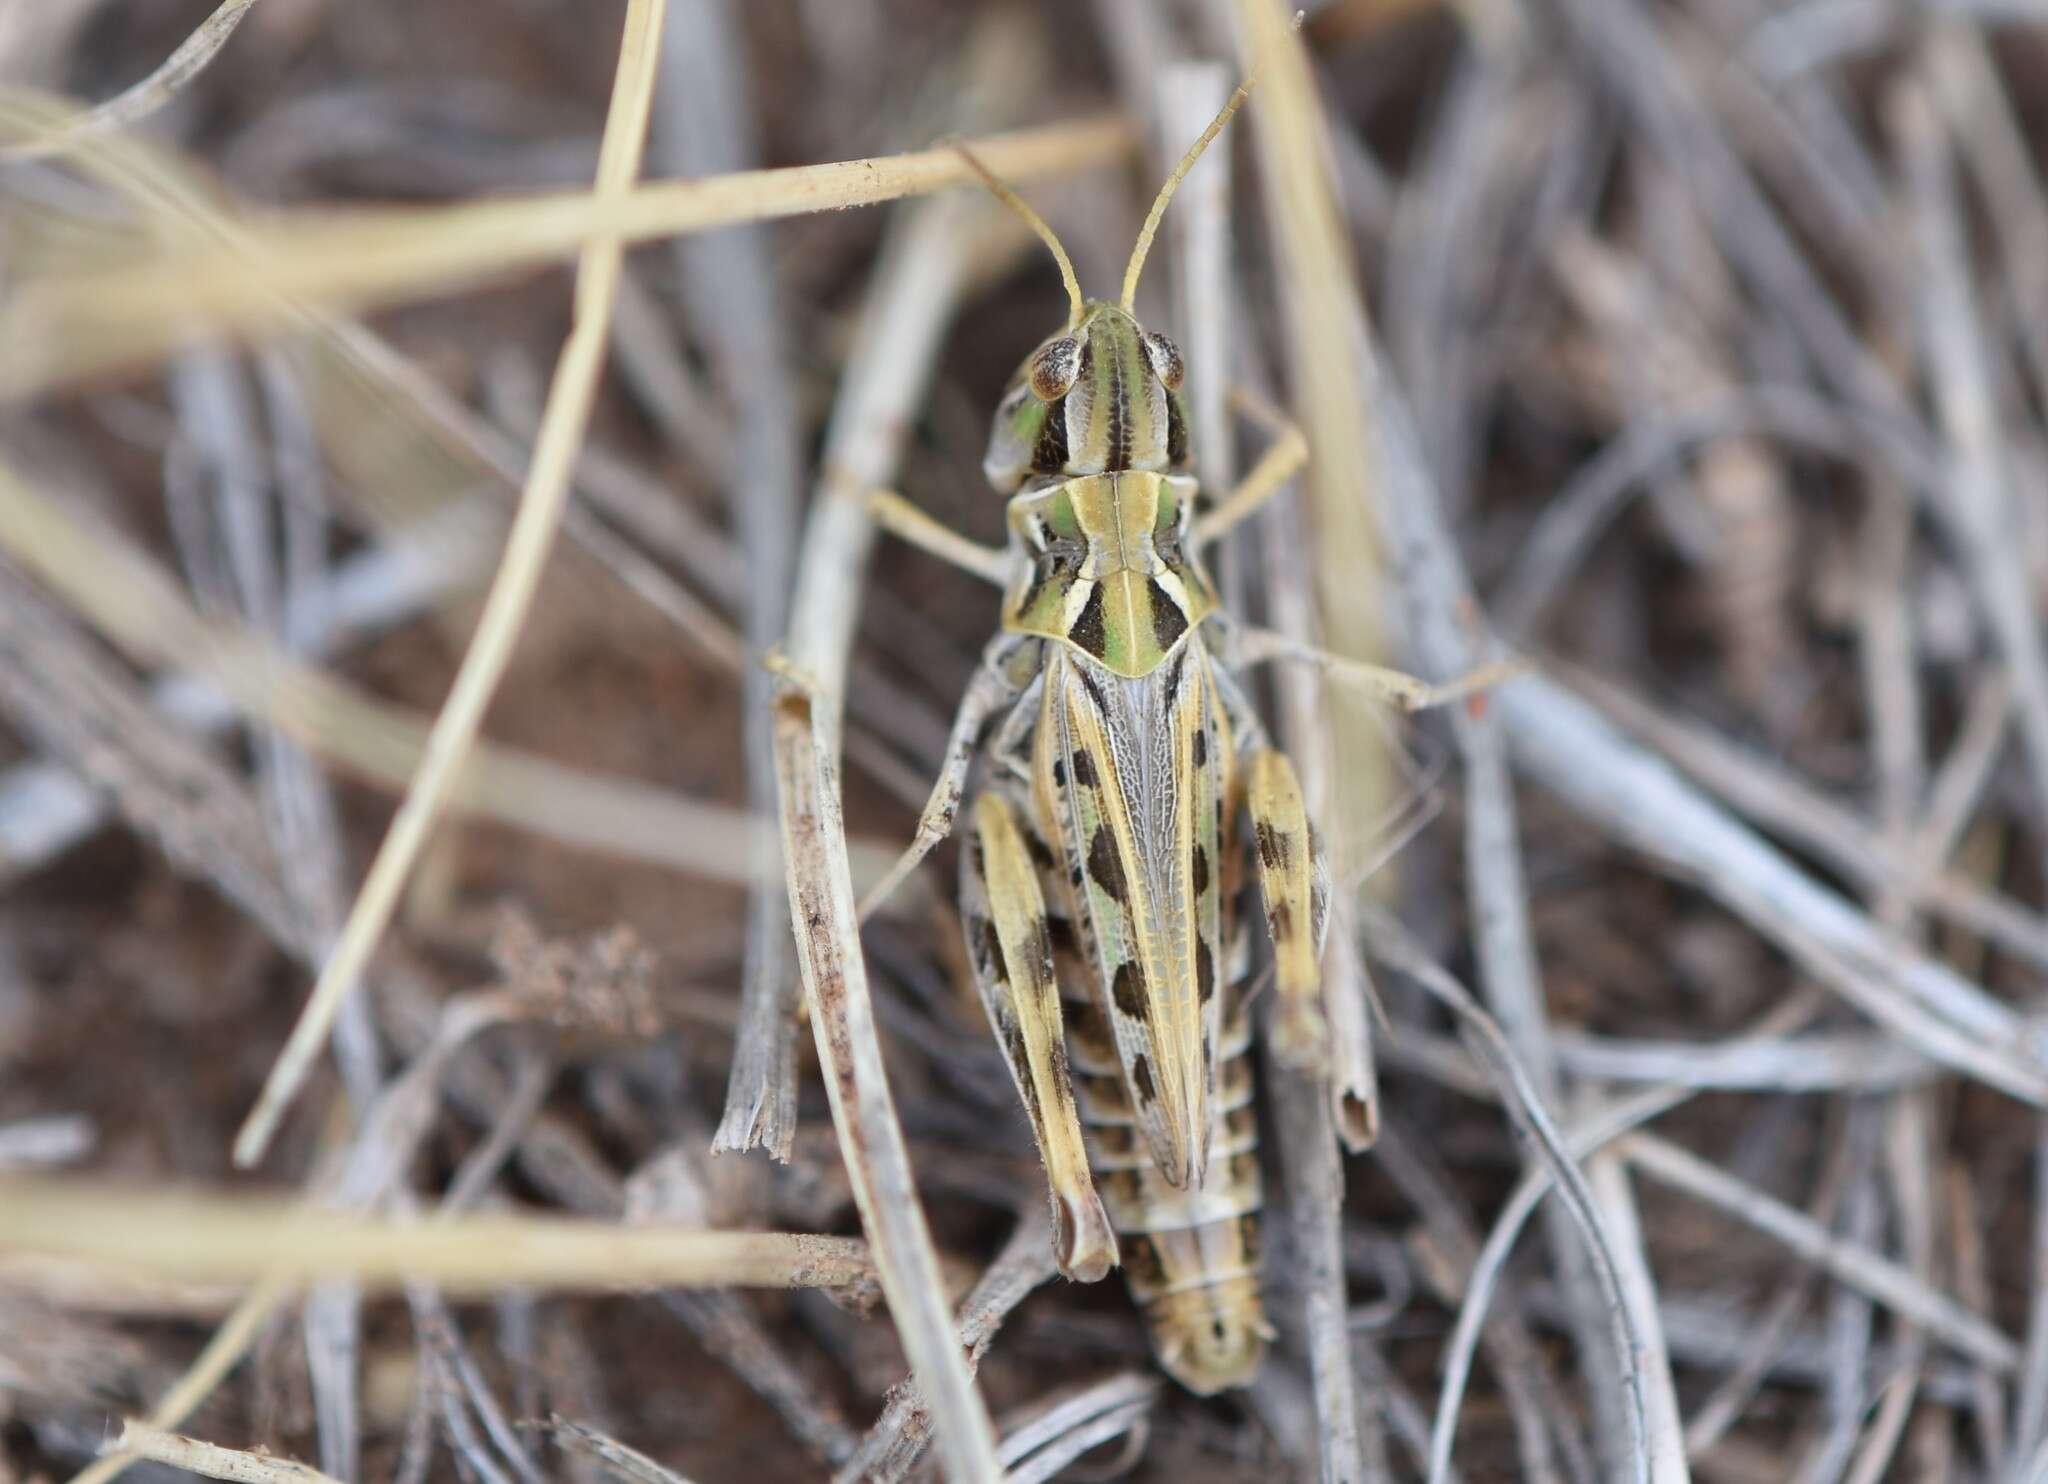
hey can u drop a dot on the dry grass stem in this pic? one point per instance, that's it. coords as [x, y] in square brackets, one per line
[144, 613]
[1393, 945]
[1060, 1434]
[210, 1239]
[105, 320]
[526, 549]
[221, 1353]
[138, 102]
[1327, 375]
[611, 1455]
[898, 1438]
[909, 304]
[707, 127]
[1884, 1281]
[60, 689]
[1665, 387]
[210, 1460]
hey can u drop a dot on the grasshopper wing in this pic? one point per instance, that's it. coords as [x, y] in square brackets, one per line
[1126, 774]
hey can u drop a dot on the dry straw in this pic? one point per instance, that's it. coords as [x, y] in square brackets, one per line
[205, 1239]
[533, 532]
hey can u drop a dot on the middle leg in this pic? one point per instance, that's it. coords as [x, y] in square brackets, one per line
[998, 681]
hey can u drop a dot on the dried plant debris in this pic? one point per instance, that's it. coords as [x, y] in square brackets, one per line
[1665, 386]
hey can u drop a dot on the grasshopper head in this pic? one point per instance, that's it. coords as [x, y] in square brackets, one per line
[1100, 397]
[1103, 395]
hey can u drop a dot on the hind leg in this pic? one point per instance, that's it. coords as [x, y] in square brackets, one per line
[1294, 883]
[1294, 886]
[1009, 943]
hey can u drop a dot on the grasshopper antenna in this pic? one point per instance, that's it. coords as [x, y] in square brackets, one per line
[1002, 192]
[1187, 162]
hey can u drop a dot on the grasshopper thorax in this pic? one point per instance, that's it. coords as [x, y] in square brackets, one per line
[1101, 396]
[1109, 573]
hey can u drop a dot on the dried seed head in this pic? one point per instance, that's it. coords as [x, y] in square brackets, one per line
[1054, 368]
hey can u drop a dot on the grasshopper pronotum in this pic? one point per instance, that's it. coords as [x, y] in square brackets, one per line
[1101, 882]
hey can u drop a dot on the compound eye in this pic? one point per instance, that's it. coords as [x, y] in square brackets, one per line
[1166, 362]
[1054, 368]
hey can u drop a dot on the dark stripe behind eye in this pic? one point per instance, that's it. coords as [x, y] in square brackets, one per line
[1049, 456]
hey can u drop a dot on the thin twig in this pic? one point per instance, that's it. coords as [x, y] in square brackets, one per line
[225, 1238]
[139, 101]
[909, 304]
[613, 1456]
[1884, 1281]
[1608, 1181]
[511, 594]
[1636, 798]
[1393, 945]
[1061, 1433]
[706, 127]
[898, 1438]
[1787, 806]
[269, 275]
[140, 1440]
[203, 1376]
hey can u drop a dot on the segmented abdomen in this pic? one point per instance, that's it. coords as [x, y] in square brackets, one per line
[1190, 1256]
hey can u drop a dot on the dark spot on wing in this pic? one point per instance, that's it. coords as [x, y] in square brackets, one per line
[1168, 622]
[1059, 773]
[1088, 682]
[1084, 769]
[1091, 1034]
[1128, 990]
[1105, 866]
[1088, 632]
[1205, 971]
[1061, 931]
[1039, 851]
[1180, 661]
[1141, 1078]
[1200, 750]
[1201, 870]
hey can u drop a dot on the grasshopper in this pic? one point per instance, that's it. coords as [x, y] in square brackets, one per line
[1102, 883]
